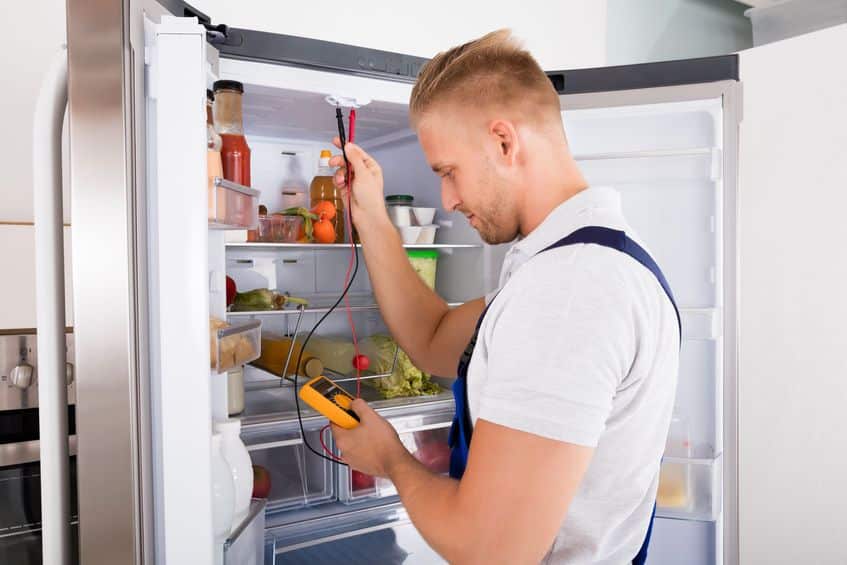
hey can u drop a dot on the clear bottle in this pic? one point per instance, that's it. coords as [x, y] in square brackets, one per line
[214, 168]
[235, 153]
[322, 188]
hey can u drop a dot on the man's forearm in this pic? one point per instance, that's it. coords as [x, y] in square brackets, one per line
[411, 310]
[432, 502]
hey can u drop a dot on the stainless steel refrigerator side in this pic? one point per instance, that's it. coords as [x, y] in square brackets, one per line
[730, 92]
[104, 275]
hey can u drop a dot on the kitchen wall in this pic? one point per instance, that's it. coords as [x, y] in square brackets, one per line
[657, 30]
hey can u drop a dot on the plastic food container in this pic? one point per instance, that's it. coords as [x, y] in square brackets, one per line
[232, 206]
[410, 234]
[427, 235]
[279, 229]
[423, 216]
[232, 346]
[400, 209]
[424, 261]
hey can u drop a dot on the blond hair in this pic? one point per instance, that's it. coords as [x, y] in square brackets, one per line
[492, 71]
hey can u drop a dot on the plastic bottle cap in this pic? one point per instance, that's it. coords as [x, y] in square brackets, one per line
[325, 153]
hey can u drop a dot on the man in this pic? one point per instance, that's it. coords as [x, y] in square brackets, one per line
[567, 388]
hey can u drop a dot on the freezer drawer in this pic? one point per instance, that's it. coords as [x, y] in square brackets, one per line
[298, 477]
[424, 436]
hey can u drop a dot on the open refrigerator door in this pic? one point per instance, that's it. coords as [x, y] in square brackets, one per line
[671, 153]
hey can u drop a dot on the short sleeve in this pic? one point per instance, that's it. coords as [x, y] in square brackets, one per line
[561, 342]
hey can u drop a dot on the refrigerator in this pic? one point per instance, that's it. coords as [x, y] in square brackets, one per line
[149, 270]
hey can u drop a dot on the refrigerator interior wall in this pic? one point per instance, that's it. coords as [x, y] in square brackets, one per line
[666, 162]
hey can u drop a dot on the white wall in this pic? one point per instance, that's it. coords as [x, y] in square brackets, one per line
[32, 33]
[561, 34]
[792, 302]
[656, 30]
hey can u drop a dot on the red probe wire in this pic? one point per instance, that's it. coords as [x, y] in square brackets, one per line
[349, 229]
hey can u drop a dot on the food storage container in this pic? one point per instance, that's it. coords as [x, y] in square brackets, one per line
[424, 261]
[400, 209]
[409, 234]
[232, 346]
[427, 236]
[423, 216]
[277, 228]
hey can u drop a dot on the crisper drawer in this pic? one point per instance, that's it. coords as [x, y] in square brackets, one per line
[298, 478]
[425, 436]
[690, 488]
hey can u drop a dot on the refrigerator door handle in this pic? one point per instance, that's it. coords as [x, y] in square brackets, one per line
[50, 310]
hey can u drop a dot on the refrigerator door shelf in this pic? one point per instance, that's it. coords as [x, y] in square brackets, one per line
[246, 545]
[690, 488]
[232, 206]
[235, 345]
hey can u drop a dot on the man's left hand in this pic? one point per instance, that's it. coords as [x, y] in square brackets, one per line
[373, 446]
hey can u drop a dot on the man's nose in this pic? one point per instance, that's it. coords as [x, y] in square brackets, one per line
[449, 198]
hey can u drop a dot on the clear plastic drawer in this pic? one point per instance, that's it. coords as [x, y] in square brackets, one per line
[298, 478]
[427, 443]
[689, 488]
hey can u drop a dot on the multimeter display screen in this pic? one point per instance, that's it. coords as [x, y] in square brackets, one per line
[324, 386]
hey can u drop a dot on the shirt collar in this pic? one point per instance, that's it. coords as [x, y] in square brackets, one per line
[569, 216]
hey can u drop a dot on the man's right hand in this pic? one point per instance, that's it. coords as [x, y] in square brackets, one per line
[367, 199]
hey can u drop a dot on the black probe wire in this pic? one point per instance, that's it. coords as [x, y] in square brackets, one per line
[341, 136]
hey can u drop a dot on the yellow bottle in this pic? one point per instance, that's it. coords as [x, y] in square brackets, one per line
[275, 351]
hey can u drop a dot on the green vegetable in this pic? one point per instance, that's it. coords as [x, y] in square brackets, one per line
[406, 380]
[264, 299]
[308, 217]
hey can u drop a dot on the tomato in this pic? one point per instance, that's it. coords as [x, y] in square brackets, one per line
[231, 291]
[324, 231]
[325, 210]
[361, 362]
[362, 481]
[435, 456]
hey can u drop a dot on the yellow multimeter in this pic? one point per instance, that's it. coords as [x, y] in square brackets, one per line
[330, 400]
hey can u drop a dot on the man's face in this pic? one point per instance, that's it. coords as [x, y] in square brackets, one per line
[474, 178]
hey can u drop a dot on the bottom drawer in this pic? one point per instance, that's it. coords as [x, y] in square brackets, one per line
[689, 488]
[428, 444]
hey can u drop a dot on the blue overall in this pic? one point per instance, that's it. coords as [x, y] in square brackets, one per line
[462, 428]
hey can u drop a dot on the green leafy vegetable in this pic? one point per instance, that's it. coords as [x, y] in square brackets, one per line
[406, 380]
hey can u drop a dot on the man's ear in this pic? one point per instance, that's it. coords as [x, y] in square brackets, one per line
[506, 136]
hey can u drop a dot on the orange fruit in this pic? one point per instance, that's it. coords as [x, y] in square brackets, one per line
[324, 210]
[324, 231]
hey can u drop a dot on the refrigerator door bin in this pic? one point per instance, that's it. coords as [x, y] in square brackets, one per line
[246, 545]
[235, 345]
[232, 206]
[689, 488]
[298, 477]
[424, 436]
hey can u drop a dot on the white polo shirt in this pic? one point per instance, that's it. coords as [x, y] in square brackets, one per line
[581, 345]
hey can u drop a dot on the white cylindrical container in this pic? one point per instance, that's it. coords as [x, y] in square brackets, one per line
[240, 466]
[223, 492]
[235, 391]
